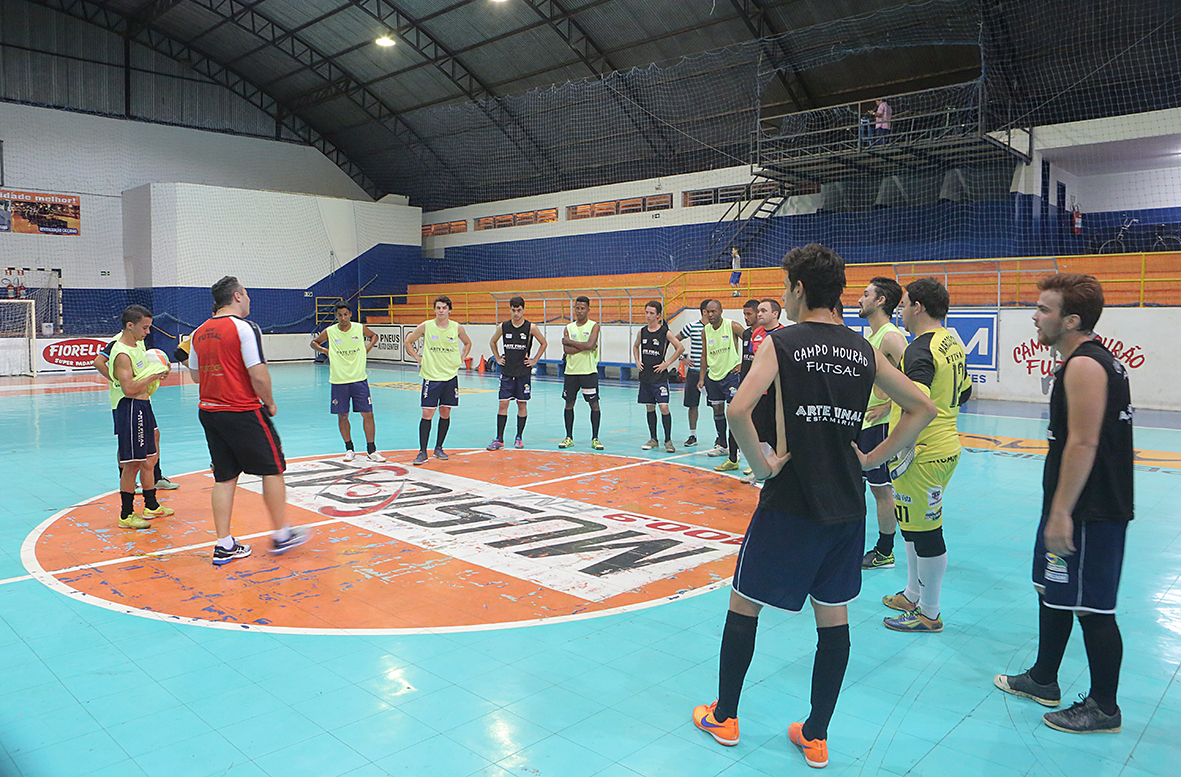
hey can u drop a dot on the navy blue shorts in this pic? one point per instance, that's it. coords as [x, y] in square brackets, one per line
[653, 393]
[440, 393]
[735, 277]
[870, 438]
[720, 392]
[786, 558]
[587, 385]
[692, 393]
[518, 388]
[359, 392]
[1089, 579]
[135, 426]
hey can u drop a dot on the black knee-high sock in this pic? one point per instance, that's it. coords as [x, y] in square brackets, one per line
[885, 544]
[738, 647]
[424, 433]
[569, 422]
[1053, 633]
[150, 499]
[521, 419]
[158, 473]
[828, 672]
[652, 424]
[667, 420]
[595, 417]
[733, 448]
[501, 421]
[444, 425]
[1105, 652]
[720, 425]
[128, 503]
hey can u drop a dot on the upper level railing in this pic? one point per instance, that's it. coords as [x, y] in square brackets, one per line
[927, 115]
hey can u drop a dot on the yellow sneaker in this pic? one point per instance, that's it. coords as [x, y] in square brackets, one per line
[726, 466]
[134, 521]
[899, 602]
[159, 512]
[725, 733]
[815, 750]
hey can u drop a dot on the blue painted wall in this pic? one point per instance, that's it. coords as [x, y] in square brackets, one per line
[385, 268]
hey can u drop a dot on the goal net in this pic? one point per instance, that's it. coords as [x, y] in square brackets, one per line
[17, 337]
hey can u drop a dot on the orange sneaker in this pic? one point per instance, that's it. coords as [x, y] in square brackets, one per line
[899, 602]
[815, 750]
[725, 733]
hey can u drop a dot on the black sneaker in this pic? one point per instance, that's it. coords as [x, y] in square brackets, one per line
[691, 441]
[223, 556]
[295, 538]
[1023, 685]
[420, 459]
[440, 455]
[1084, 717]
[875, 559]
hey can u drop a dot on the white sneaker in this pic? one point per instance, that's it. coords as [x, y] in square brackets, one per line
[350, 455]
[718, 450]
[375, 456]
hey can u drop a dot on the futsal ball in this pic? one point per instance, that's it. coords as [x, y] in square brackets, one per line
[155, 362]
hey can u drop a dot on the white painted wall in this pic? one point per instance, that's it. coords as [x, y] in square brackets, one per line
[98, 159]
[674, 185]
[195, 234]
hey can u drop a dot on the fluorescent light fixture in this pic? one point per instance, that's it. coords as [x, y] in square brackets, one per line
[385, 41]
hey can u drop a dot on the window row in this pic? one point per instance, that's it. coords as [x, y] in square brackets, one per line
[655, 202]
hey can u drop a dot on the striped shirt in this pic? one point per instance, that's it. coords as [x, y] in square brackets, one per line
[691, 335]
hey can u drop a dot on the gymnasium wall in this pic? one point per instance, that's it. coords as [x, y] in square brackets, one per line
[286, 249]
[97, 159]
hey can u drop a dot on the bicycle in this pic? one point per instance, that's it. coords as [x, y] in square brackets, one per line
[1166, 242]
[1116, 244]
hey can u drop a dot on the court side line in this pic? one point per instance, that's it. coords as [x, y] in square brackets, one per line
[643, 463]
[156, 553]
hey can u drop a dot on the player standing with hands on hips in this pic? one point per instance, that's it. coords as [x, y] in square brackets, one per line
[347, 348]
[516, 374]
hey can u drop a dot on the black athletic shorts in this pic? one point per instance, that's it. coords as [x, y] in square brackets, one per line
[692, 393]
[586, 385]
[244, 441]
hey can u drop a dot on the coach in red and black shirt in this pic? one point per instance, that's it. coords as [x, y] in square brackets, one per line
[235, 410]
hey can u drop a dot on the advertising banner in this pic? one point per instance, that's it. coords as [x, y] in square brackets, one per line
[389, 343]
[1132, 336]
[977, 331]
[40, 214]
[68, 355]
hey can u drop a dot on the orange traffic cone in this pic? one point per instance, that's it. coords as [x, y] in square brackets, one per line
[481, 367]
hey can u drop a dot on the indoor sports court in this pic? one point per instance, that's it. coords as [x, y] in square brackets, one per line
[560, 605]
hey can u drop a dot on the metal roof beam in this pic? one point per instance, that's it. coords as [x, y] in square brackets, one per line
[754, 15]
[215, 72]
[409, 31]
[338, 81]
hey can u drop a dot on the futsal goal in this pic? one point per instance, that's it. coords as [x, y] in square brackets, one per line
[18, 322]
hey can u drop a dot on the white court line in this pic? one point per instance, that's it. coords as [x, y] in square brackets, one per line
[210, 543]
[48, 386]
[643, 463]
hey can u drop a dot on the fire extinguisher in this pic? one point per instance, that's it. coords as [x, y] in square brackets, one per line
[21, 291]
[1076, 220]
[11, 290]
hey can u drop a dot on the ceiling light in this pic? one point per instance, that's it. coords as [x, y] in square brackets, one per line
[385, 40]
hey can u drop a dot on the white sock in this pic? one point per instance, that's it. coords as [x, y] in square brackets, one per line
[931, 583]
[912, 574]
[226, 543]
[692, 431]
[281, 535]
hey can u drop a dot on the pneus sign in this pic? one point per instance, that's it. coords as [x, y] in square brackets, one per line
[389, 343]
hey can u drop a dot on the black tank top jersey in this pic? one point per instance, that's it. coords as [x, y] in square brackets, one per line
[748, 353]
[1107, 495]
[515, 343]
[827, 373]
[653, 346]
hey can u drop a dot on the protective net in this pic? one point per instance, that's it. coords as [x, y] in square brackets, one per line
[1021, 149]
[16, 337]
